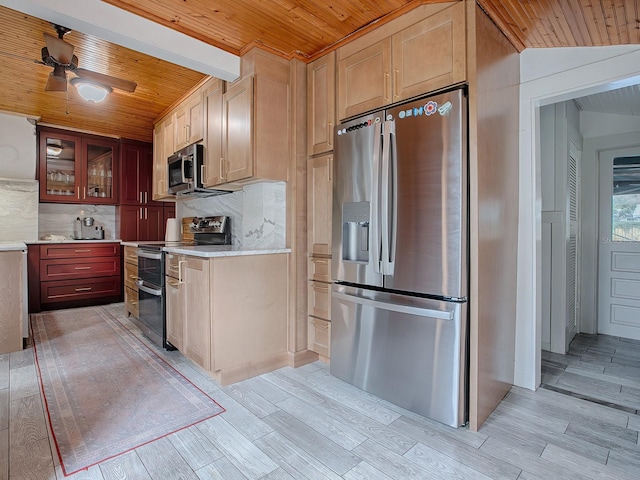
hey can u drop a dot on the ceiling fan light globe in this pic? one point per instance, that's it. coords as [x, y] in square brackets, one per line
[53, 150]
[90, 91]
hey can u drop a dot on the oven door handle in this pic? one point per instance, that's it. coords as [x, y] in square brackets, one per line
[150, 255]
[150, 291]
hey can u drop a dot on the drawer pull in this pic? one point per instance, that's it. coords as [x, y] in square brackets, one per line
[84, 289]
[320, 325]
[85, 250]
[82, 268]
[174, 284]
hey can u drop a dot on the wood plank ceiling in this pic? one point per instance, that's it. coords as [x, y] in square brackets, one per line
[290, 28]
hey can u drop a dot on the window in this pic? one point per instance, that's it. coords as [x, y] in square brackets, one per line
[625, 225]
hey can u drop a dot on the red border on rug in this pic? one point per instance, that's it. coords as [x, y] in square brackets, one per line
[46, 404]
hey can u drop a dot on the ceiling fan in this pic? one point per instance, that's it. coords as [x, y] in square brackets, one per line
[59, 55]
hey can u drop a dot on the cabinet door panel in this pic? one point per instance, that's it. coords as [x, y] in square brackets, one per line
[197, 315]
[60, 172]
[321, 108]
[238, 130]
[364, 81]
[319, 195]
[213, 164]
[430, 54]
[175, 313]
[130, 175]
[100, 170]
[151, 224]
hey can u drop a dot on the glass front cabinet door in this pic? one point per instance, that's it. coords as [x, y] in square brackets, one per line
[77, 168]
[60, 167]
[99, 170]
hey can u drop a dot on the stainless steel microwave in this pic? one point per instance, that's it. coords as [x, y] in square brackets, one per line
[185, 170]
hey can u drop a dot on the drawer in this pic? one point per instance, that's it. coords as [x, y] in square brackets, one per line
[67, 269]
[70, 250]
[320, 269]
[172, 265]
[319, 336]
[130, 255]
[320, 300]
[131, 276]
[68, 290]
[131, 302]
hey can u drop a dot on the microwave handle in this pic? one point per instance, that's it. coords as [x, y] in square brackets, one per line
[184, 161]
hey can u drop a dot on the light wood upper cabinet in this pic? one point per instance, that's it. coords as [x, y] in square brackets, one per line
[430, 54]
[163, 146]
[237, 130]
[189, 121]
[364, 81]
[212, 103]
[321, 104]
[416, 59]
[255, 130]
[319, 195]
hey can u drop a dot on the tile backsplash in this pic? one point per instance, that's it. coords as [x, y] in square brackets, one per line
[57, 218]
[258, 213]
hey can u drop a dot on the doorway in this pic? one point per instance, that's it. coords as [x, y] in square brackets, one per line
[619, 243]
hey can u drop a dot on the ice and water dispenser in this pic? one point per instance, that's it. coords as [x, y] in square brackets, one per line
[355, 232]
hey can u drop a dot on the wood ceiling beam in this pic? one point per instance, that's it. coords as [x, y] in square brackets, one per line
[118, 26]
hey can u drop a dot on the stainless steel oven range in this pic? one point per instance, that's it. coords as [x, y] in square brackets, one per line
[215, 230]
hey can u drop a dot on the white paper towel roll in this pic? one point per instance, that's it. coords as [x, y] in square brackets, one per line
[172, 233]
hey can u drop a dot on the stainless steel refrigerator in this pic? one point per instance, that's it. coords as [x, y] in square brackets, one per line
[399, 318]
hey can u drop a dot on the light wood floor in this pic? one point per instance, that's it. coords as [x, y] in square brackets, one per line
[304, 424]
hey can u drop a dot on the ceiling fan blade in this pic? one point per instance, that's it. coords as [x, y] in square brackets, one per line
[113, 82]
[57, 81]
[59, 49]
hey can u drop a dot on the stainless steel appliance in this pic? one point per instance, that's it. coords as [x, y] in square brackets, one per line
[214, 230]
[186, 171]
[84, 229]
[399, 259]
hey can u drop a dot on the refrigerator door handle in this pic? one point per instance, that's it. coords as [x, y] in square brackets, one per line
[374, 224]
[389, 197]
[393, 307]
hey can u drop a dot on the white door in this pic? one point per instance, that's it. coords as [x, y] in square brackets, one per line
[619, 245]
[572, 245]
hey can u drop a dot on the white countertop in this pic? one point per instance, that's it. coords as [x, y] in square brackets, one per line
[105, 240]
[222, 251]
[11, 245]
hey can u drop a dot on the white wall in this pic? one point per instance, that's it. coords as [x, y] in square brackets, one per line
[18, 147]
[549, 76]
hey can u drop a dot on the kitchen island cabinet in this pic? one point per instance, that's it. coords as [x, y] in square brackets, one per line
[13, 308]
[73, 274]
[232, 310]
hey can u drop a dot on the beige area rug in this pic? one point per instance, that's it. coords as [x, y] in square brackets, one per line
[105, 391]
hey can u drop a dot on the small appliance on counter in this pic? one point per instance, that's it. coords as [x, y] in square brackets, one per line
[83, 229]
